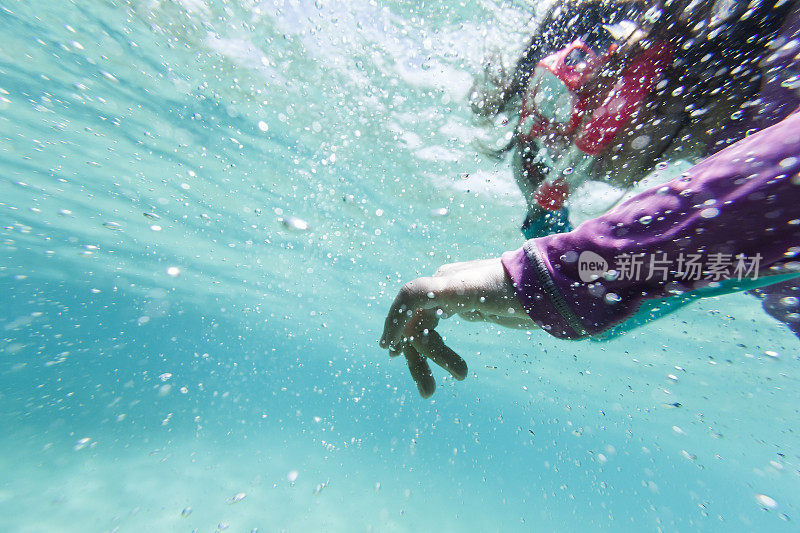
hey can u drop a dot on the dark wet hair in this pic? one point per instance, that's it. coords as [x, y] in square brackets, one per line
[728, 53]
[735, 43]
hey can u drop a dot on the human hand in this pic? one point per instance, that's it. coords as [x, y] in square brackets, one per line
[474, 290]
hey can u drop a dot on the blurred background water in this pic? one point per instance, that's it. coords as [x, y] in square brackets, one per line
[180, 352]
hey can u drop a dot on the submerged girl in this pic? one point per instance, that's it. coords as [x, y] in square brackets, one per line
[605, 90]
[730, 223]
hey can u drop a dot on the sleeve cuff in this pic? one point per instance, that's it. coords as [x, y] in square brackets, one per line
[540, 297]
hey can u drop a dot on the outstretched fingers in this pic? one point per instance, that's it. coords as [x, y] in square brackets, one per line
[420, 371]
[431, 345]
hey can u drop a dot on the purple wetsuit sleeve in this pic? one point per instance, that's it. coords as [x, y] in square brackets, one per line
[741, 202]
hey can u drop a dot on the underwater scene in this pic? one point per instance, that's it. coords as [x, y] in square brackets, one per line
[207, 208]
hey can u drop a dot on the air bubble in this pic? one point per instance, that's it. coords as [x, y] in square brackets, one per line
[237, 497]
[641, 142]
[294, 223]
[612, 298]
[569, 257]
[792, 83]
[766, 502]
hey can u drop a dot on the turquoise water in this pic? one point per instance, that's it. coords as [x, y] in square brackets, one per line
[175, 358]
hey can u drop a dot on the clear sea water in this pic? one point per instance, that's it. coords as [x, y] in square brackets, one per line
[174, 358]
